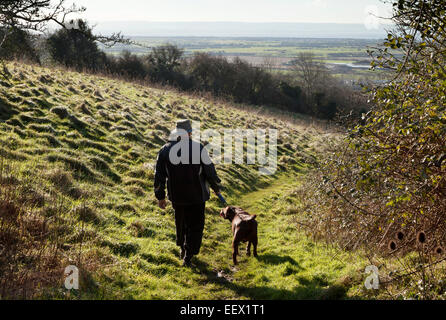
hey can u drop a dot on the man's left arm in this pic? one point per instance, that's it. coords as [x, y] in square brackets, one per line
[210, 172]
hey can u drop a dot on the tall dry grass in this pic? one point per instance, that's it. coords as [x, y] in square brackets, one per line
[35, 227]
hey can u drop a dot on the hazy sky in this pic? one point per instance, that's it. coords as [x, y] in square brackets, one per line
[337, 11]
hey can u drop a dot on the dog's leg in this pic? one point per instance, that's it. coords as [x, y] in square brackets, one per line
[234, 251]
[248, 249]
[254, 244]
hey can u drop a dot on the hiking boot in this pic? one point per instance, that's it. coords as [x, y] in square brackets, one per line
[182, 253]
[187, 262]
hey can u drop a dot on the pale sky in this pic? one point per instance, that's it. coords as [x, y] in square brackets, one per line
[320, 11]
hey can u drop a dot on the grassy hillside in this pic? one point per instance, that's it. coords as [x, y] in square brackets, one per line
[77, 156]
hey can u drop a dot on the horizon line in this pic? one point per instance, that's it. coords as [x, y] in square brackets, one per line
[247, 22]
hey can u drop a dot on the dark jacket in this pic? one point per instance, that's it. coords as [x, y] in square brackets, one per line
[187, 182]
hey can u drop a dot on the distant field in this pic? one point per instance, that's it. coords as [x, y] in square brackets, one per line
[340, 54]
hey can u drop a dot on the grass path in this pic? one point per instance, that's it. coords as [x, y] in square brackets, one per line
[289, 266]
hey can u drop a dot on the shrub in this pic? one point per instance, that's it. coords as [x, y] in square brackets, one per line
[387, 178]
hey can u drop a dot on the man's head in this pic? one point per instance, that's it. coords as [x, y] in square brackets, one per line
[183, 129]
[185, 125]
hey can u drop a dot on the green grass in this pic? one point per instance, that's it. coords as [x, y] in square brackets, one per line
[289, 266]
[86, 148]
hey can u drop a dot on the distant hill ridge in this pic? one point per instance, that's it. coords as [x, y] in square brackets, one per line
[242, 29]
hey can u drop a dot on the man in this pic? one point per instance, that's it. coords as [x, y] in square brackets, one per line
[188, 170]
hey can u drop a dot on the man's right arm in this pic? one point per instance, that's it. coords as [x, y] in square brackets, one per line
[160, 176]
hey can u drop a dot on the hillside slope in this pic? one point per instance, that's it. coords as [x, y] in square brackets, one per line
[77, 156]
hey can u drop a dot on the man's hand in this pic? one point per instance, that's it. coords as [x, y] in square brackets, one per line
[222, 199]
[162, 204]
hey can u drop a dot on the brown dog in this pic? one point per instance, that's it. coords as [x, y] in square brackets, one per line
[244, 228]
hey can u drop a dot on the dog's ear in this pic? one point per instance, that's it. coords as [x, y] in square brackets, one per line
[230, 212]
[224, 212]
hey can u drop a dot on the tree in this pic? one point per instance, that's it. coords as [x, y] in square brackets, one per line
[19, 44]
[269, 63]
[311, 73]
[77, 48]
[130, 65]
[164, 62]
[320, 88]
[34, 15]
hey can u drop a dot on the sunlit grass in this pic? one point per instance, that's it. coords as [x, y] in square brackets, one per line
[93, 141]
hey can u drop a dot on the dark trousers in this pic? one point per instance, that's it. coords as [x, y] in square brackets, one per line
[189, 221]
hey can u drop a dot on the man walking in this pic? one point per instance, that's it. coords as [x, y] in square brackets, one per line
[188, 170]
